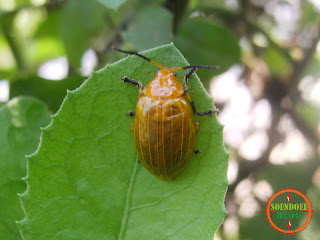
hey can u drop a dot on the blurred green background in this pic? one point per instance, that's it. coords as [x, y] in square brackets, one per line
[267, 87]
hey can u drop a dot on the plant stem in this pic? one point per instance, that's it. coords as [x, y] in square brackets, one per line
[13, 44]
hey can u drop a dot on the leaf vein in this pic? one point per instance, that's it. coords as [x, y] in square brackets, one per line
[128, 202]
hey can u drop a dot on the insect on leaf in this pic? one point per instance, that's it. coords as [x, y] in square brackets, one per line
[84, 181]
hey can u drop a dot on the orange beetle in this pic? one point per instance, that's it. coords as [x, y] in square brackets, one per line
[163, 130]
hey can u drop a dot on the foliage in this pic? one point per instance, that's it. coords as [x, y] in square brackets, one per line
[87, 164]
[207, 42]
[272, 45]
[20, 120]
[144, 34]
[51, 92]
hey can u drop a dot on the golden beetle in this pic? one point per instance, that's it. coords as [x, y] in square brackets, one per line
[163, 130]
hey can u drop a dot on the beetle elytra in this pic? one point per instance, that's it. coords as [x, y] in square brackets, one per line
[164, 130]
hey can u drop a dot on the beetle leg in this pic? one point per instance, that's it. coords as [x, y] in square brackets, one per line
[131, 113]
[200, 114]
[133, 82]
[209, 112]
[196, 152]
[187, 76]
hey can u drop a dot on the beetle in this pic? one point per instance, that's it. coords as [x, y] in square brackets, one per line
[164, 130]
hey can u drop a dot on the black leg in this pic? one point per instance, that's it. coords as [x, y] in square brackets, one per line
[133, 82]
[131, 113]
[187, 76]
[209, 112]
[196, 152]
[201, 114]
[138, 161]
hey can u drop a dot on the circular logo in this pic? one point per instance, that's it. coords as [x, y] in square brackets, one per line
[289, 211]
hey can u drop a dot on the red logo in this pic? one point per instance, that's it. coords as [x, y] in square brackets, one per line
[289, 211]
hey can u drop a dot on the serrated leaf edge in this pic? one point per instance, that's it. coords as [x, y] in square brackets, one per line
[130, 189]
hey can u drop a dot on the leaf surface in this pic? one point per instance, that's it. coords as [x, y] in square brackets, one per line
[144, 34]
[205, 42]
[20, 122]
[84, 181]
[50, 92]
[80, 20]
[113, 4]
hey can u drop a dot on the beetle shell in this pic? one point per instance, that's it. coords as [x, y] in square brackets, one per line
[164, 130]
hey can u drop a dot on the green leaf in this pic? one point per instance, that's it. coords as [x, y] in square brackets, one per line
[84, 181]
[276, 62]
[309, 112]
[80, 20]
[313, 67]
[49, 27]
[144, 34]
[209, 3]
[20, 122]
[47, 42]
[289, 174]
[294, 175]
[249, 226]
[309, 15]
[207, 43]
[44, 49]
[313, 231]
[6, 57]
[113, 4]
[51, 92]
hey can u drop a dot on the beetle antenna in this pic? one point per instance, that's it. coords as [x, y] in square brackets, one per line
[193, 69]
[139, 55]
[201, 66]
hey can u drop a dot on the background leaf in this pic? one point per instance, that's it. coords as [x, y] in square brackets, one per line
[20, 122]
[207, 43]
[48, 42]
[282, 176]
[114, 4]
[268, 98]
[80, 20]
[51, 92]
[84, 181]
[314, 195]
[144, 34]
[277, 63]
